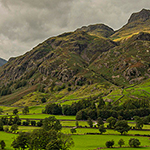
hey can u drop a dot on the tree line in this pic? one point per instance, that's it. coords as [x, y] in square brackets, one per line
[89, 108]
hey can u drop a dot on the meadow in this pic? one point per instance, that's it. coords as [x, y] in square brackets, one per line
[86, 142]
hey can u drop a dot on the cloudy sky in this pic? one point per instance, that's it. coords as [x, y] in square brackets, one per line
[25, 23]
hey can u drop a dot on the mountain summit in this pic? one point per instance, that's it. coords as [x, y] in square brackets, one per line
[143, 16]
[138, 22]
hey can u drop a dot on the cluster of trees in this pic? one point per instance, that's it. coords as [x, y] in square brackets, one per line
[17, 121]
[119, 125]
[93, 109]
[72, 109]
[49, 137]
[133, 142]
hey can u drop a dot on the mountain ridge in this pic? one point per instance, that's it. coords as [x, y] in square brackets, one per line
[91, 55]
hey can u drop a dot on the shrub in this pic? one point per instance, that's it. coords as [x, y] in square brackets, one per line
[133, 142]
[109, 143]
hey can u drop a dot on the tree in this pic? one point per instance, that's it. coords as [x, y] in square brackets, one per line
[133, 142]
[1, 125]
[122, 126]
[54, 145]
[109, 143]
[15, 111]
[6, 129]
[121, 142]
[77, 123]
[81, 115]
[22, 141]
[43, 100]
[2, 143]
[90, 122]
[66, 141]
[102, 129]
[25, 110]
[40, 138]
[14, 128]
[139, 122]
[51, 123]
[101, 102]
[111, 121]
[1, 111]
[99, 121]
[33, 123]
[73, 130]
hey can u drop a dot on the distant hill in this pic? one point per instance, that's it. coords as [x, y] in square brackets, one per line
[91, 61]
[2, 61]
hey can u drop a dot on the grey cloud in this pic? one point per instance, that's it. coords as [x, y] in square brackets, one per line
[25, 23]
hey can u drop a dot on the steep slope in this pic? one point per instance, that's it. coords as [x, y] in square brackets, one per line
[62, 59]
[138, 22]
[2, 61]
[128, 63]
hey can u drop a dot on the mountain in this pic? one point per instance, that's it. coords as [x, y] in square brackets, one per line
[138, 22]
[100, 30]
[2, 61]
[91, 61]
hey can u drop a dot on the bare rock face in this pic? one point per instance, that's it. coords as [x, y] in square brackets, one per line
[131, 73]
[136, 80]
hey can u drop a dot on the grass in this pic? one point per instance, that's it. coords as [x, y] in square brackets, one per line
[90, 142]
[73, 123]
[42, 116]
[82, 142]
[8, 138]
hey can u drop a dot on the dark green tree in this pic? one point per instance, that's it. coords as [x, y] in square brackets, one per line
[122, 126]
[90, 122]
[109, 143]
[3, 145]
[15, 111]
[1, 125]
[111, 121]
[43, 100]
[14, 128]
[22, 141]
[102, 129]
[51, 123]
[40, 138]
[133, 142]
[99, 121]
[25, 110]
[77, 123]
[101, 103]
[121, 142]
[139, 122]
[73, 130]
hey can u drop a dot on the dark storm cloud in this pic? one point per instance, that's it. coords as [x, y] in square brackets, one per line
[25, 23]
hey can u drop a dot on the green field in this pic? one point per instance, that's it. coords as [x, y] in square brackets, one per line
[90, 142]
[42, 116]
[86, 142]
